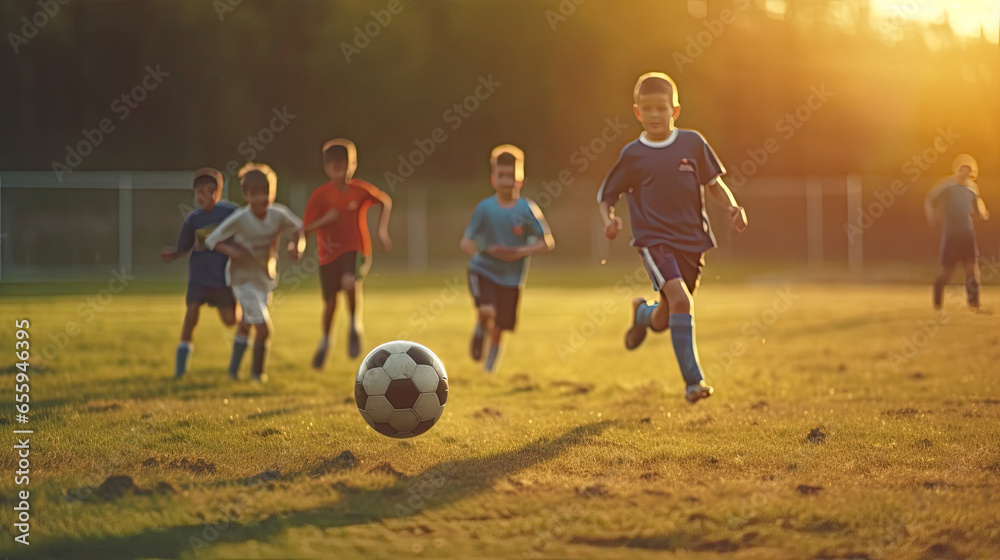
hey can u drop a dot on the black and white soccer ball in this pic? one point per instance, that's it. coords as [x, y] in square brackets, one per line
[401, 389]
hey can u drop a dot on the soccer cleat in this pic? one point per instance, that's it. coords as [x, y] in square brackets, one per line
[476, 348]
[259, 377]
[636, 333]
[697, 392]
[354, 343]
[320, 356]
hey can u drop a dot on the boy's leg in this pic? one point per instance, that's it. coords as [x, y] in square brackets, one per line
[330, 284]
[506, 301]
[352, 291]
[239, 348]
[229, 309]
[184, 348]
[262, 342]
[677, 297]
[972, 283]
[253, 300]
[662, 264]
[940, 282]
[485, 315]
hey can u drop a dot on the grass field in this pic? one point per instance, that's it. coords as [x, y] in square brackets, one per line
[576, 449]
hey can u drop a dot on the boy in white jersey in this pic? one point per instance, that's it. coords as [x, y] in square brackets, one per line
[255, 230]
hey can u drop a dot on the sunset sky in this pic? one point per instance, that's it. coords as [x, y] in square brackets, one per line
[966, 16]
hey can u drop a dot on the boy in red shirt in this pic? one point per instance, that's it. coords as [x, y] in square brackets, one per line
[338, 211]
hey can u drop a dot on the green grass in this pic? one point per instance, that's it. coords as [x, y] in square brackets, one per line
[576, 449]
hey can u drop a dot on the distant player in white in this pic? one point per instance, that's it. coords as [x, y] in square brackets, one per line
[255, 231]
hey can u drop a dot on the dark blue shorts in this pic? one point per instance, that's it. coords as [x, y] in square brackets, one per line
[504, 299]
[215, 297]
[664, 263]
[956, 250]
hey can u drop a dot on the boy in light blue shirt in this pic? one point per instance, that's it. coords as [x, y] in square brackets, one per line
[505, 230]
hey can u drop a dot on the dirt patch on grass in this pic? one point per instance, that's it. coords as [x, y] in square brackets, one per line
[904, 412]
[816, 435]
[672, 542]
[593, 491]
[197, 466]
[809, 490]
[573, 388]
[386, 468]
[262, 477]
[344, 461]
[942, 551]
[488, 412]
[268, 432]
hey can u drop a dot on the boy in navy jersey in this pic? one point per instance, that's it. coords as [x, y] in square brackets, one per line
[954, 203]
[664, 174]
[208, 280]
[505, 230]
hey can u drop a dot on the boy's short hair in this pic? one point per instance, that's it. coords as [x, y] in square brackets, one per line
[259, 175]
[655, 82]
[963, 160]
[508, 154]
[208, 176]
[340, 149]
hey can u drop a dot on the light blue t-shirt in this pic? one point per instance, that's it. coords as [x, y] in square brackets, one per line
[491, 224]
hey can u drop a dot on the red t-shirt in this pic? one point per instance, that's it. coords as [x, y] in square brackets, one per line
[349, 232]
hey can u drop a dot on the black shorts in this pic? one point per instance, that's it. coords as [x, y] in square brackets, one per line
[503, 298]
[331, 274]
[664, 263]
[215, 297]
[956, 250]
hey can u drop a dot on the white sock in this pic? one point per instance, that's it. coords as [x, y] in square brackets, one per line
[186, 344]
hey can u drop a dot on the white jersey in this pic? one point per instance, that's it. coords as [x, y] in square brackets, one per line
[260, 237]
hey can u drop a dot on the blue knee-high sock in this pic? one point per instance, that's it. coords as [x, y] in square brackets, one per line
[183, 358]
[644, 314]
[239, 347]
[682, 335]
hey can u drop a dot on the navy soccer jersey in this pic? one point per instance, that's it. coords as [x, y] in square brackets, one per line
[957, 203]
[205, 267]
[664, 182]
[491, 224]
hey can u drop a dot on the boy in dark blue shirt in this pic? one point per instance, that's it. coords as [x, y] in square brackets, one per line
[505, 230]
[664, 175]
[953, 203]
[208, 280]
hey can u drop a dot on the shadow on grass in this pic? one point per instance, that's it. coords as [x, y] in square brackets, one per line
[435, 487]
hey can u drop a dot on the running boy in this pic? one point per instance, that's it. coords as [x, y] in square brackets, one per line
[664, 174]
[208, 278]
[255, 230]
[505, 230]
[954, 203]
[338, 211]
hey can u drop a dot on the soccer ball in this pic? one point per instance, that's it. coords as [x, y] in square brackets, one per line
[401, 389]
